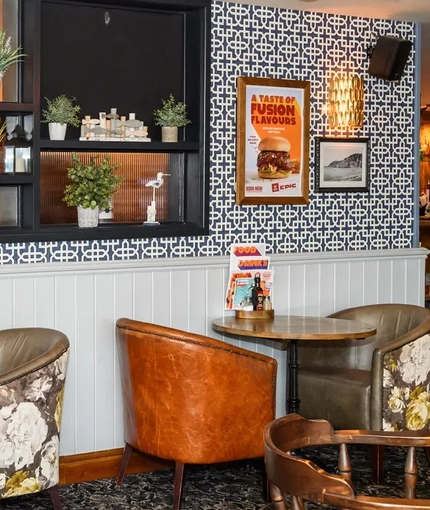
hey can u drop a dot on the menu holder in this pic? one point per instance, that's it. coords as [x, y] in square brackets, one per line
[255, 314]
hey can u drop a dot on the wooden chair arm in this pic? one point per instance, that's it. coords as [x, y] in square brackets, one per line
[370, 503]
[403, 438]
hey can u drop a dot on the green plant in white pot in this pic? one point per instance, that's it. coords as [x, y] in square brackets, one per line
[171, 116]
[8, 55]
[60, 113]
[93, 185]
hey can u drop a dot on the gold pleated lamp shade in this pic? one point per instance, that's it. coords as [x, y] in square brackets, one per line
[345, 105]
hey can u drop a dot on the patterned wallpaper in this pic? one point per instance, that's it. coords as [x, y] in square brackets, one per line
[279, 43]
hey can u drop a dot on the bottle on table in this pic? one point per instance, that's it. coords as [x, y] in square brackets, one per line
[267, 304]
[257, 293]
[248, 306]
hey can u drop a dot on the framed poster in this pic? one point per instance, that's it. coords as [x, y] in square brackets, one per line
[342, 164]
[272, 145]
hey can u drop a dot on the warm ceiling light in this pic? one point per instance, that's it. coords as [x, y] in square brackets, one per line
[345, 103]
[307, 0]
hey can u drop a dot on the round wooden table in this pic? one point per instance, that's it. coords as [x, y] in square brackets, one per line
[288, 329]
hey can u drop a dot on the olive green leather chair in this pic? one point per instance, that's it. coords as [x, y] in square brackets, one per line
[378, 383]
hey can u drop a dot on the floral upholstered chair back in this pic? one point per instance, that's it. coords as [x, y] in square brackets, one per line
[32, 375]
[400, 364]
[406, 384]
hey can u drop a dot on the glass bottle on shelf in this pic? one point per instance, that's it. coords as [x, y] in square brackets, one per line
[17, 152]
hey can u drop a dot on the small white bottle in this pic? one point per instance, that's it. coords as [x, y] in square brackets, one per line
[248, 307]
[267, 304]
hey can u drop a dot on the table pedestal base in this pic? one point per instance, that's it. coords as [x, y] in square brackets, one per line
[293, 401]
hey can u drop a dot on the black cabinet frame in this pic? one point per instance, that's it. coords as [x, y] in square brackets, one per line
[194, 147]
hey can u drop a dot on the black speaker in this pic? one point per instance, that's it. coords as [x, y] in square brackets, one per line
[388, 57]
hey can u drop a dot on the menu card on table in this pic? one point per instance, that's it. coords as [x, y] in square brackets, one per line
[250, 278]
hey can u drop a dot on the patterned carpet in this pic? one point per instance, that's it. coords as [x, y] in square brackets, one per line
[227, 486]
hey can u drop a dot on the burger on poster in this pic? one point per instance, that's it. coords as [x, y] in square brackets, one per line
[273, 160]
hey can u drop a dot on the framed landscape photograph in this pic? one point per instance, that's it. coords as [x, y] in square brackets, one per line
[342, 164]
[272, 143]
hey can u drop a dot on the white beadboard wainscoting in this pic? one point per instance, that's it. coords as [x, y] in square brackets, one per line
[84, 300]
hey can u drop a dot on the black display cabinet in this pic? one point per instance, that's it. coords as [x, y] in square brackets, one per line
[129, 55]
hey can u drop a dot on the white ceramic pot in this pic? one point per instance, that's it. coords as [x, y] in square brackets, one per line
[88, 218]
[169, 134]
[57, 131]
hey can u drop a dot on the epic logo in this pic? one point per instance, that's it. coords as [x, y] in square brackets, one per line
[279, 187]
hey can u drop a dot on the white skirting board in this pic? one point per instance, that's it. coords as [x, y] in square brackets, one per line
[84, 300]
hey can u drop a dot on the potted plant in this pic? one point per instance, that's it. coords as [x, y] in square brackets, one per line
[60, 113]
[171, 116]
[8, 56]
[92, 187]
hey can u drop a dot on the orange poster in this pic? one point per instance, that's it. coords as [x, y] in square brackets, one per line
[272, 141]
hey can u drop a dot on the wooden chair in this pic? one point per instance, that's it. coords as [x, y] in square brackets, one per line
[304, 480]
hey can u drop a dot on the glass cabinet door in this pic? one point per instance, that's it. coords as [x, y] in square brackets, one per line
[10, 25]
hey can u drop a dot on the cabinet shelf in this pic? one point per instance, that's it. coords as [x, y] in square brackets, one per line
[67, 145]
[103, 231]
[17, 107]
[20, 178]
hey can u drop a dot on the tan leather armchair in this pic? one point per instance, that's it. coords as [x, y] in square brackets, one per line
[190, 398]
[379, 383]
[33, 365]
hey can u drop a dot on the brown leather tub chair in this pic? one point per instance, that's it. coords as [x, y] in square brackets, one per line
[192, 399]
[33, 365]
[374, 384]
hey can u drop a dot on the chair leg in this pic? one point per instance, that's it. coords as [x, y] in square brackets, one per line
[266, 487]
[55, 497]
[378, 463]
[411, 473]
[278, 500]
[265, 482]
[427, 452]
[128, 450]
[297, 503]
[179, 482]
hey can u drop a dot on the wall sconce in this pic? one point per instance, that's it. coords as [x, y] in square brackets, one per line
[345, 103]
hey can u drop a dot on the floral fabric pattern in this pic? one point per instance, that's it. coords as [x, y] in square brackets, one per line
[30, 414]
[406, 385]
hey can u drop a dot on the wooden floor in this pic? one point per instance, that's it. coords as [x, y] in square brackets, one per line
[105, 464]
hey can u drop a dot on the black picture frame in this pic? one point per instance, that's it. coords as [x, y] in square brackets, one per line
[332, 159]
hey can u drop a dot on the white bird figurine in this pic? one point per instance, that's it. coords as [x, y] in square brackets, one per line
[156, 183]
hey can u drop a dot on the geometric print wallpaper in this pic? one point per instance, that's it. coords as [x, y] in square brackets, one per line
[279, 43]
